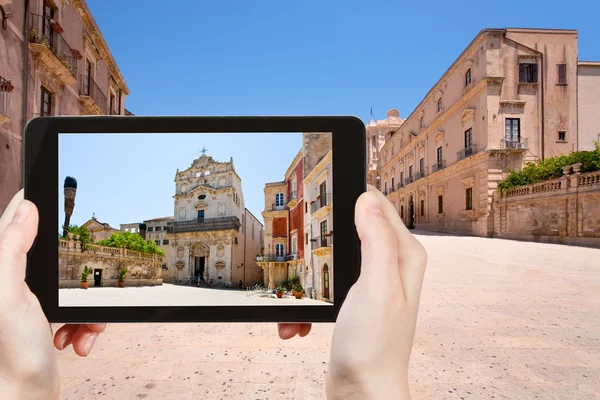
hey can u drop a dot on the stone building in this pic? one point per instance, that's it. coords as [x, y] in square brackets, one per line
[54, 61]
[298, 220]
[588, 84]
[213, 236]
[378, 132]
[99, 230]
[318, 216]
[509, 98]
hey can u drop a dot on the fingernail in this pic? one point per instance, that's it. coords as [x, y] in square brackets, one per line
[63, 342]
[22, 212]
[373, 203]
[89, 342]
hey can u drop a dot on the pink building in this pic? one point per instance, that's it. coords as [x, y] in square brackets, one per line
[54, 62]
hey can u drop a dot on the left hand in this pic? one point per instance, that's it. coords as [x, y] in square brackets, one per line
[28, 365]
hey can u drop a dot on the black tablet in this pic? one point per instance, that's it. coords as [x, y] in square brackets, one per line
[194, 219]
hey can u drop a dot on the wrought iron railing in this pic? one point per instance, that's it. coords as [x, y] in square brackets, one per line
[321, 241]
[438, 166]
[514, 144]
[205, 224]
[466, 152]
[43, 31]
[409, 179]
[321, 202]
[278, 257]
[5, 89]
[392, 189]
[279, 206]
[89, 87]
[400, 185]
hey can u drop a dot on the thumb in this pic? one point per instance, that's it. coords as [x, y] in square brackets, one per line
[15, 242]
[379, 265]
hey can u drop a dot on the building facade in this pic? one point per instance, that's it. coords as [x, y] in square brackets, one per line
[588, 84]
[209, 237]
[99, 230]
[55, 61]
[510, 97]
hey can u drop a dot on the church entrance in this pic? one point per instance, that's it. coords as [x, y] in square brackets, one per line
[199, 267]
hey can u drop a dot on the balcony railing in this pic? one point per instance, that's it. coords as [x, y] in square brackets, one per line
[410, 179]
[5, 89]
[400, 185]
[43, 31]
[205, 224]
[438, 166]
[513, 144]
[89, 87]
[466, 152]
[293, 196]
[419, 175]
[321, 241]
[392, 189]
[278, 206]
[278, 257]
[321, 202]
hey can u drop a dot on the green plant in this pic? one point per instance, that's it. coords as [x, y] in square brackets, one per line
[122, 274]
[551, 168]
[294, 280]
[280, 289]
[131, 241]
[85, 274]
[84, 235]
[298, 288]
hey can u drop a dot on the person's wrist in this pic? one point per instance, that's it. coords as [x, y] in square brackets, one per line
[27, 391]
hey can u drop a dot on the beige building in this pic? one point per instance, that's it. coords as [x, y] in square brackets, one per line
[67, 69]
[510, 97]
[99, 230]
[213, 236]
[588, 84]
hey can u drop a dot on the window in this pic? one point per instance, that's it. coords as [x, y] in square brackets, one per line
[469, 199]
[165, 241]
[402, 212]
[164, 266]
[468, 77]
[279, 200]
[157, 242]
[46, 102]
[528, 73]
[306, 238]
[47, 17]
[252, 230]
[439, 155]
[150, 229]
[294, 243]
[562, 136]
[468, 139]
[439, 105]
[512, 130]
[323, 229]
[410, 171]
[385, 186]
[392, 182]
[323, 193]
[440, 204]
[422, 123]
[422, 165]
[279, 250]
[562, 74]
[402, 177]
[158, 228]
[200, 215]
[422, 208]
[202, 197]
[112, 104]
[87, 81]
[305, 208]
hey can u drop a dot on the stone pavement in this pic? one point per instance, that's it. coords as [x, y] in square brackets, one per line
[173, 295]
[499, 319]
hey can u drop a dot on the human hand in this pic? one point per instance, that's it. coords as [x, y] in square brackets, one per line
[374, 332]
[28, 366]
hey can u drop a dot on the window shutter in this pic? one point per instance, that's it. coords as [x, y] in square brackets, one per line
[522, 74]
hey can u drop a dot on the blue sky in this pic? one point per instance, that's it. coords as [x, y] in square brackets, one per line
[130, 177]
[312, 57]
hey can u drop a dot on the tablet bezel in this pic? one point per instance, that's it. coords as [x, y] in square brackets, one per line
[40, 181]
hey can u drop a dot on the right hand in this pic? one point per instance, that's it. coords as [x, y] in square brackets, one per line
[375, 329]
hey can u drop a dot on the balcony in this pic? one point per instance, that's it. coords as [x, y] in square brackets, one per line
[51, 49]
[516, 144]
[410, 179]
[205, 224]
[293, 200]
[275, 257]
[418, 175]
[438, 166]
[392, 189]
[400, 185]
[322, 245]
[279, 206]
[321, 207]
[466, 152]
[93, 100]
[5, 88]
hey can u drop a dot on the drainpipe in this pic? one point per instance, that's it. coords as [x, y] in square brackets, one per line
[25, 63]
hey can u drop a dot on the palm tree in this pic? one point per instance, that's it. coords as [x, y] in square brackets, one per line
[70, 187]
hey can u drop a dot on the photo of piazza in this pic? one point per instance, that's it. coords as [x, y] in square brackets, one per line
[212, 250]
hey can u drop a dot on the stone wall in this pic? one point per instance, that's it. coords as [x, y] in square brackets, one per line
[73, 257]
[565, 210]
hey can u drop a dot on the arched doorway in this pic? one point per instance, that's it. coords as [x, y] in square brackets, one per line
[411, 215]
[326, 281]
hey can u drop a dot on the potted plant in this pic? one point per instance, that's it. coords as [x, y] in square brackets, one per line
[121, 277]
[84, 276]
[298, 291]
[280, 292]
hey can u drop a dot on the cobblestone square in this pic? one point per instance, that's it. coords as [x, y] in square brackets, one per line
[499, 319]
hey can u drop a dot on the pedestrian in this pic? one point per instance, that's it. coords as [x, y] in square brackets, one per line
[372, 339]
[240, 284]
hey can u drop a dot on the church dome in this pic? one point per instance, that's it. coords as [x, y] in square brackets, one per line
[70, 182]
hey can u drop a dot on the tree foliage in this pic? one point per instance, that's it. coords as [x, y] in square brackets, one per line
[131, 241]
[551, 168]
[84, 235]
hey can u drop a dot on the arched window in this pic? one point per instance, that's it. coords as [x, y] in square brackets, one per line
[202, 197]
